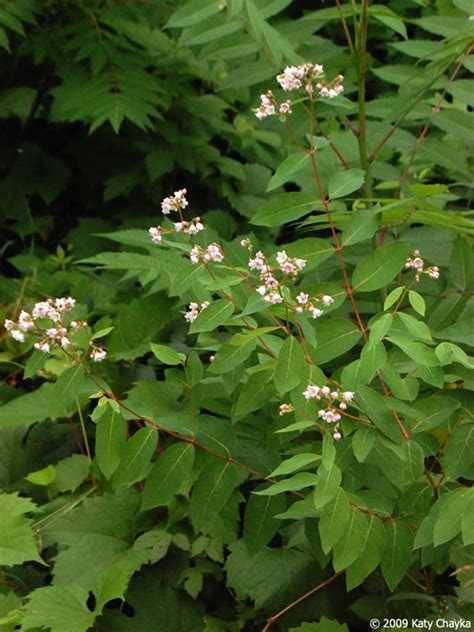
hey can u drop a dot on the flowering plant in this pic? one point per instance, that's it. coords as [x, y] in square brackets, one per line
[275, 408]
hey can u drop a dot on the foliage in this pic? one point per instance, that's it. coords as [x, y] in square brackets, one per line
[315, 437]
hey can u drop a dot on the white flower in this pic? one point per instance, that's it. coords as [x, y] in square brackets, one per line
[327, 300]
[337, 435]
[194, 255]
[18, 335]
[325, 390]
[285, 107]
[302, 298]
[41, 310]
[214, 253]
[433, 272]
[262, 290]
[25, 321]
[315, 312]
[8, 324]
[287, 268]
[284, 409]
[281, 257]
[312, 392]
[348, 396]
[155, 233]
[300, 263]
[98, 354]
[343, 406]
[174, 202]
[273, 298]
[42, 346]
[65, 342]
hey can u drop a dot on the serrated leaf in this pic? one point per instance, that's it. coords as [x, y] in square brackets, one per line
[192, 13]
[167, 476]
[17, 540]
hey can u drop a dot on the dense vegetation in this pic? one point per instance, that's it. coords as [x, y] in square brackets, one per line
[266, 424]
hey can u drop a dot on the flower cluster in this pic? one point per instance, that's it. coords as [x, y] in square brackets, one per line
[334, 401]
[270, 288]
[53, 335]
[176, 203]
[194, 309]
[296, 77]
[305, 303]
[213, 252]
[269, 106]
[417, 263]
[306, 76]
[284, 409]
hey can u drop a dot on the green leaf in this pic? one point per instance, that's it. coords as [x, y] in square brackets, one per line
[334, 520]
[467, 521]
[212, 491]
[362, 225]
[66, 390]
[17, 540]
[291, 366]
[286, 207]
[448, 522]
[294, 463]
[192, 13]
[236, 350]
[255, 393]
[58, 609]
[70, 473]
[348, 548]
[109, 440]
[42, 477]
[459, 456]
[171, 470]
[214, 315]
[417, 351]
[396, 557]
[295, 483]
[433, 412]
[345, 182]
[313, 250]
[375, 406]
[324, 625]
[329, 479]
[417, 302]
[136, 456]
[379, 328]
[362, 443]
[369, 554]
[260, 524]
[335, 337]
[386, 16]
[380, 268]
[393, 297]
[35, 363]
[288, 169]
[167, 355]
